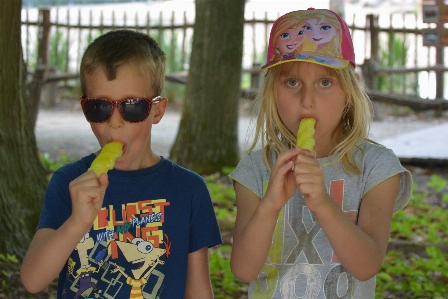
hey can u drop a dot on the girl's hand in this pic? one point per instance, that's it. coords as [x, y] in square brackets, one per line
[309, 178]
[281, 182]
[87, 194]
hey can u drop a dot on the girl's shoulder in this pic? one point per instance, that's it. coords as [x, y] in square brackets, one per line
[370, 148]
[375, 157]
[252, 157]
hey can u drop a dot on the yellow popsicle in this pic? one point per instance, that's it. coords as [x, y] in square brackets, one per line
[105, 161]
[305, 134]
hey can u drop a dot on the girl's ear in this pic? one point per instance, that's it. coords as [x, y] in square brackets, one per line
[159, 110]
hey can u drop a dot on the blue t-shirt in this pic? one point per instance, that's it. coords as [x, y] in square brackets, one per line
[139, 243]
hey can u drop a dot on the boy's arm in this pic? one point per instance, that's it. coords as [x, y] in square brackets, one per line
[198, 276]
[47, 255]
[50, 249]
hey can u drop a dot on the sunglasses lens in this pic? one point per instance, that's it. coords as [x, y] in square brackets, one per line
[135, 110]
[97, 110]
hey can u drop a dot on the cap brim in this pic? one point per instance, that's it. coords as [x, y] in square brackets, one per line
[331, 62]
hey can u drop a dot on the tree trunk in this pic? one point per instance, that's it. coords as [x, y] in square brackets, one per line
[22, 177]
[207, 139]
[41, 71]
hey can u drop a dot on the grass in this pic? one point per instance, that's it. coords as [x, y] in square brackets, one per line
[403, 274]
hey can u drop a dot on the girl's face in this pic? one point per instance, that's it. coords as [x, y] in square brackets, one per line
[311, 90]
[320, 32]
[289, 40]
[129, 83]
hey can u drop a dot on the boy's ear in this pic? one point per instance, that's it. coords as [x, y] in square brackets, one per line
[159, 110]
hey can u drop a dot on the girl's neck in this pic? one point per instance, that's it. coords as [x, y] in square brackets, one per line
[324, 149]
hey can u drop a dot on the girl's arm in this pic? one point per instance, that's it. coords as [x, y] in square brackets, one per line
[256, 218]
[359, 247]
[198, 276]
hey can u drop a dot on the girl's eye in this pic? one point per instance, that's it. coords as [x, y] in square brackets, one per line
[325, 27]
[325, 83]
[292, 83]
[284, 35]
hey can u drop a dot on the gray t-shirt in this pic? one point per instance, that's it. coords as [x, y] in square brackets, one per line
[301, 262]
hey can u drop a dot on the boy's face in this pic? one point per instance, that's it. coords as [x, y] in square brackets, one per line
[136, 137]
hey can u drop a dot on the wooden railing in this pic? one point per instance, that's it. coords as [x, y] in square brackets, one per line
[60, 37]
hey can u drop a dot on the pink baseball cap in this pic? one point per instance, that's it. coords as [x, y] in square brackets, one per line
[314, 35]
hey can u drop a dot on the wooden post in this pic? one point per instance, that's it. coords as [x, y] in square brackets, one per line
[35, 87]
[184, 37]
[374, 32]
[372, 20]
[173, 43]
[439, 61]
[50, 90]
[255, 78]
[67, 53]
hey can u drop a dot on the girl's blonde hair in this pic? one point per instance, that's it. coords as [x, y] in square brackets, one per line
[125, 47]
[353, 127]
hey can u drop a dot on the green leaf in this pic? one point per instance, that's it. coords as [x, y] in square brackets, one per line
[437, 182]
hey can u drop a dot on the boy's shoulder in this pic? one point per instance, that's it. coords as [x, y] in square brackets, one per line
[180, 170]
[76, 168]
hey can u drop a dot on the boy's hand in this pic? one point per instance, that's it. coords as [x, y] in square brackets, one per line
[309, 178]
[87, 194]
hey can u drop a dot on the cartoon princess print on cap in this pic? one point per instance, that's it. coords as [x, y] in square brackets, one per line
[317, 36]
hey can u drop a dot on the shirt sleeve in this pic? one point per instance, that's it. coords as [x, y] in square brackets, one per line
[385, 165]
[248, 174]
[205, 230]
[57, 205]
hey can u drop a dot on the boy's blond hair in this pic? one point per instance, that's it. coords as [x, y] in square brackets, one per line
[124, 46]
[353, 127]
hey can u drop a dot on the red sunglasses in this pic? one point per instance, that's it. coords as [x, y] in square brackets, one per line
[133, 110]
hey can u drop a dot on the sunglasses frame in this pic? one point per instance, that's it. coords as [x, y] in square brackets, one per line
[117, 104]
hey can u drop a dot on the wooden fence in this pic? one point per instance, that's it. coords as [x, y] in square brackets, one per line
[398, 68]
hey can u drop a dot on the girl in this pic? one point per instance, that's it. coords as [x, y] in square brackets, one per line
[315, 224]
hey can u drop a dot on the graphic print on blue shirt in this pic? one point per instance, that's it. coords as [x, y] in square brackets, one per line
[124, 250]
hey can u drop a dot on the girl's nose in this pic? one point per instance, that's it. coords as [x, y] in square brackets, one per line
[307, 97]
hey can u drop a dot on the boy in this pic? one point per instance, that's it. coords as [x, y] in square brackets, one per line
[142, 230]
